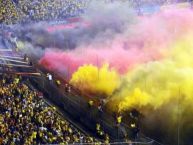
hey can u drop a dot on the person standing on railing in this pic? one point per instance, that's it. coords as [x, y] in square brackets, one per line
[58, 83]
[119, 119]
[90, 103]
[67, 88]
[49, 77]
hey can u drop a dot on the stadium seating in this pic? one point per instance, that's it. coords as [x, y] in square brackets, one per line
[8, 12]
[38, 10]
[26, 118]
[14, 11]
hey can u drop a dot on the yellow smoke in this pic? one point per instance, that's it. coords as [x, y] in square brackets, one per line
[89, 78]
[161, 90]
[159, 83]
[154, 84]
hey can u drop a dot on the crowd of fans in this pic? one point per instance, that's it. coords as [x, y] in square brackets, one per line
[8, 12]
[12, 11]
[39, 10]
[52, 9]
[25, 117]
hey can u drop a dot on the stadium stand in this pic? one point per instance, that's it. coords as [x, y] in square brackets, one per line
[24, 11]
[27, 119]
[8, 12]
[25, 115]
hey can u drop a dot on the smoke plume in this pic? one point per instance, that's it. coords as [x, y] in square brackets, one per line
[135, 62]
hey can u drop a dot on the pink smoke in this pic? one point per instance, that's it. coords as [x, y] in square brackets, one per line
[147, 40]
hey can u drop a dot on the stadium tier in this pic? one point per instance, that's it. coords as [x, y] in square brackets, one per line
[89, 72]
[24, 11]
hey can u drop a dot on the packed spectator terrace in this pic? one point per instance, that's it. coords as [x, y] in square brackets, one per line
[19, 11]
[26, 117]
[22, 10]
